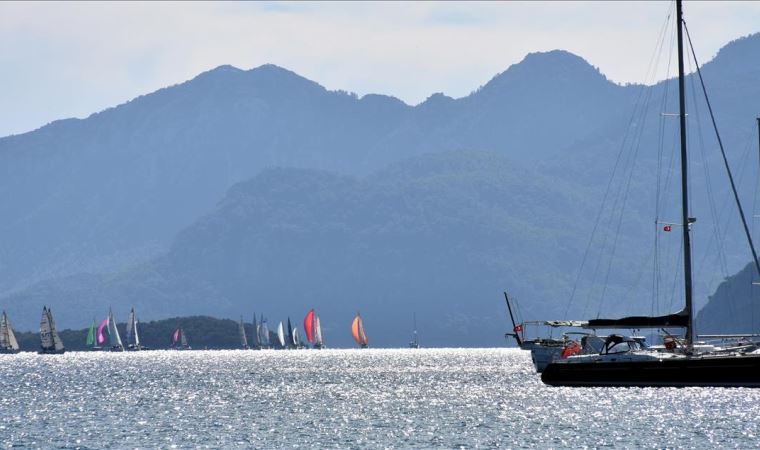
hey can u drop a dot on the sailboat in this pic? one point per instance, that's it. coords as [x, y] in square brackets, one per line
[357, 331]
[415, 342]
[241, 332]
[292, 336]
[256, 341]
[622, 362]
[133, 337]
[281, 335]
[113, 334]
[91, 341]
[313, 329]
[179, 340]
[50, 342]
[263, 333]
[8, 343]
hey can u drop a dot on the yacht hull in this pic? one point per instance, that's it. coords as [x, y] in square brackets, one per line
[715, 370]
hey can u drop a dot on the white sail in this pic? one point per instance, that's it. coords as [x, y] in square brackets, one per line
[264, 333]
[281, 334]
[5, 341]
[183, 339]
[317, 332]
[296, 339]
[46, 337]
[130, 326]
[11, 337]
[243, 337]
[57, 342]
[137, 335]
[113, 332]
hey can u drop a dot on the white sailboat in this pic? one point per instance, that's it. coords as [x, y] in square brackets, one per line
[318, 342]
[8, 343]
[281, 335]
[243, 337]
[263, 333]
[113, 334]
[133, 337]
[50, 342]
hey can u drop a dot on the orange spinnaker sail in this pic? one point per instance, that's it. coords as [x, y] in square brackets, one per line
[357, 331]
[308, 326]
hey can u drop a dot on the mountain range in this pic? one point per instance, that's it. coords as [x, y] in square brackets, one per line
[261, 190]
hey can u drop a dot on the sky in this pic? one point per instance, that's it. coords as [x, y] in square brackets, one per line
[62, 60]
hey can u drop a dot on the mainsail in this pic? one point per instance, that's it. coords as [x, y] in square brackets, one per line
[133, 338]
[50, 342]
[291, 336]
[243, 338]
[357, 331]
[183, 339]
[256, 341]
[7, 338]
[308, 326]
[113, 333]
[318, 343]
[263, 332]
[281, 334]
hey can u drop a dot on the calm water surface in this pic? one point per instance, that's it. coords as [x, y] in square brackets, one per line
[346, 399]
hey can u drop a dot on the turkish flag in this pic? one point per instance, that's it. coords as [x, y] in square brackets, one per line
[517, 328]
[667, 228]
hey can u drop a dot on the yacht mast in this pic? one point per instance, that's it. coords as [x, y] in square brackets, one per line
[684, 185]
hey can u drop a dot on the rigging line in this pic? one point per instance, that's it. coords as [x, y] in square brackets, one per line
[636, 146]
[723, 153]
[614, 170]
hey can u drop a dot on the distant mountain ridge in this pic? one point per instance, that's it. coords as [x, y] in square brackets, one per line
[102, 208]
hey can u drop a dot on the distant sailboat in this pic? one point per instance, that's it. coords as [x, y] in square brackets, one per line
[296, 339]
[179, 340]
[256, 331]
[133, 338]
[113, 334]
[281, 335]
[415, 342]
[263, 333]
[312, 329]
[243, 338]
[50, 342]
[92, 342]
[8, 343]
[357, 331]
[292, 336]
[318, 342]
[99, 336]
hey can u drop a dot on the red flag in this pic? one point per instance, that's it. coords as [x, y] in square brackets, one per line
[517, 328]
[667, 228]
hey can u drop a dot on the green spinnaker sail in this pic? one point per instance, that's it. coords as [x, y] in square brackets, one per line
[91, 335]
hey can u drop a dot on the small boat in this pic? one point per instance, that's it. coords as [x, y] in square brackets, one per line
[91, 341]
[50, 342]
[113, 334]
[133, 337]
[415, 342]
[264, 333]
[292, 336]
[243, 338]
[357, 331]
[281, 335]
[318, 342]
[255, 334]
[179, 340]
[313, 330]
[8, 343]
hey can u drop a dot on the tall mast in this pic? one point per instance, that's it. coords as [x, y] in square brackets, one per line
[684, 184]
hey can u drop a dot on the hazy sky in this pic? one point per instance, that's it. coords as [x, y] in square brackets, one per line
[63, 60]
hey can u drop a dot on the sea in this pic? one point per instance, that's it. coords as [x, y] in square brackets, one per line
[372, 398]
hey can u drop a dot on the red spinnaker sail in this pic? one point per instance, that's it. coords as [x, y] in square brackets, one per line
[308, 326]
[175, 337]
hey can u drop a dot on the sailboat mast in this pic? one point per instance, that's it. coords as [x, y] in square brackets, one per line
[684, 184]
